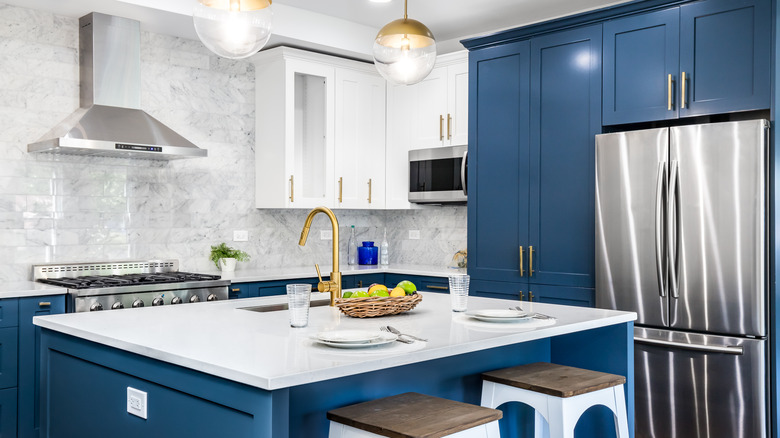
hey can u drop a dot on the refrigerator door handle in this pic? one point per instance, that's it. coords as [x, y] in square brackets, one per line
[659, 235]
[672, 229]
[736, 350]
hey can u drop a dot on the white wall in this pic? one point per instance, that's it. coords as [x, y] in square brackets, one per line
[67, 208]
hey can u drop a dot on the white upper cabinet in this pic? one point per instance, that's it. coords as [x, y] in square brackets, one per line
[360, 140]
[440, 104]
[320, 131]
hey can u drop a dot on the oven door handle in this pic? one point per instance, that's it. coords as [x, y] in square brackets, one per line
[463, 165]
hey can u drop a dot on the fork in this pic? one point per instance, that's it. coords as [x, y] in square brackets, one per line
[394, 330]
[536, 315]
[399, 339]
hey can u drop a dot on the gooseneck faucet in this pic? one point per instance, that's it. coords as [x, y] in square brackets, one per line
[334, 284]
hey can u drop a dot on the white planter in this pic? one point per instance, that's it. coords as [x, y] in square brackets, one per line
[227, 264]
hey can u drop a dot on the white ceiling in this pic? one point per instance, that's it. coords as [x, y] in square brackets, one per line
[344, 27]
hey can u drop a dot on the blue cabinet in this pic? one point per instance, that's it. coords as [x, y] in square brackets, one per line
[362, 280]
[8, 413]
[422, 282]
[244, 290]
[539, 293]
[536, 108]
[701, 58]
[30, 360]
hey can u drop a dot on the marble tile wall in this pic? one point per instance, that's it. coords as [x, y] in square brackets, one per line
[67, 208]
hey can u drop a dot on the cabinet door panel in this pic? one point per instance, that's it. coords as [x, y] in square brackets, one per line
[640, 52]
[498, 289]
[565, 117]
[431, 104]
[30, 362]
[499, 166]
[8, 356]
[457, 104]
[725, 52]
[8, 413]
[568, 296]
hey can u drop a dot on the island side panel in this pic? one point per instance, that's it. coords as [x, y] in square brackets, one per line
[610, 350]
[84, 393]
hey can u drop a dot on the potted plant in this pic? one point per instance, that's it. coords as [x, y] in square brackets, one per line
[225, 257]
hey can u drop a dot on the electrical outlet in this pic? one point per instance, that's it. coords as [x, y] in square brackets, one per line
[326, 234]
[136, 402]
[240, 236]
[414, 234]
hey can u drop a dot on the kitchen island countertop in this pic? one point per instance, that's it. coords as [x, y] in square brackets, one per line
[263, 351]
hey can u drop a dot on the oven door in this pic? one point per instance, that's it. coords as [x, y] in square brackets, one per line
[438, 175]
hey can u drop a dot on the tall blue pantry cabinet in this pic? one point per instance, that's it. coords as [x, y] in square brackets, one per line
[535, 111]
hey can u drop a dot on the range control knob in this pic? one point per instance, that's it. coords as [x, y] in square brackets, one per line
[194, 299]
[212, 297]
[175, 300]
[95, 307]
[157, 301]
[138, 303]
[117, 305]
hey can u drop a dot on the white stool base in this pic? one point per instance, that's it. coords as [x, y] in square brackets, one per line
[487, 430]
[555, 417]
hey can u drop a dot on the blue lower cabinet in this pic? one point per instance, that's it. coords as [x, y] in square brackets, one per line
[566, 295]
[423, 283]
[30, 360]
[8, 413]
[244, 290]
[363, 280]
[279, 287]
[8, 356]
[9, 312]
[498, 289]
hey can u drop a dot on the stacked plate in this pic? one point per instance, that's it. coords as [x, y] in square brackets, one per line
[499, 315]
[353, 338]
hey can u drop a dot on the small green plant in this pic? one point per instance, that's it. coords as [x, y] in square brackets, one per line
[222, 251]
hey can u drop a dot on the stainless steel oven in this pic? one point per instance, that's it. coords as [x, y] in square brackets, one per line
[438, 175]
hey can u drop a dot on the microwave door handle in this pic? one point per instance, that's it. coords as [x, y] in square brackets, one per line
[463, 172]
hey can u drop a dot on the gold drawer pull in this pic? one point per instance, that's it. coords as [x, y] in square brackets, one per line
[44, 303]
[521, 295]
[530, 296]
[236, 290]
[437, 287]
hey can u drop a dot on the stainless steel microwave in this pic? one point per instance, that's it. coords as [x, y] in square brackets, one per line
[438, 175]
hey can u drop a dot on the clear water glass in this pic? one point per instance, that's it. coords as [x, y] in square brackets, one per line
[459, 291]
[298, 297]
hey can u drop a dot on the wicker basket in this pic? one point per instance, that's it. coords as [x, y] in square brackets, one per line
[366, 307]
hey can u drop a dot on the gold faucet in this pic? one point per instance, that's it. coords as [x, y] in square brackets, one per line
[334, 284]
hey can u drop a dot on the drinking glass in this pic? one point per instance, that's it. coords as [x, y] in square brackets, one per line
[298, 297]
[459, 291]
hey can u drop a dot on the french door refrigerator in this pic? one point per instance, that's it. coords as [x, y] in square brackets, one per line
[681, 220]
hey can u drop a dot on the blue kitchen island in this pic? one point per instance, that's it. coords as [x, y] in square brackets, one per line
[221, 370]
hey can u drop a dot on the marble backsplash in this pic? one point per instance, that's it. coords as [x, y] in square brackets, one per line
[57, 209]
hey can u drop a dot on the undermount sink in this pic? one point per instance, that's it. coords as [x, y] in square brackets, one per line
[283, 306]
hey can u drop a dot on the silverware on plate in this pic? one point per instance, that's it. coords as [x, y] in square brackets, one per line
[397, 332]
[536, 315]
[399, 338]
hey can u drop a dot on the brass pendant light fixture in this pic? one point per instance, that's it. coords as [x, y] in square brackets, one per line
[233, 28]
[404, 51]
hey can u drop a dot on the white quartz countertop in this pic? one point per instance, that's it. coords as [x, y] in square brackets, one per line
[262, 350]
[269, 274]
[21, 289]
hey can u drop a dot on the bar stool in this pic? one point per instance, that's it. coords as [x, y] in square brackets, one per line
[413, 415]
[558, 393]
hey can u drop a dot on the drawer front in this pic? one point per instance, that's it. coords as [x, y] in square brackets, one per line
[366, 280]
[243, 290]
[9, 312]
[8, 356]
[8, 413]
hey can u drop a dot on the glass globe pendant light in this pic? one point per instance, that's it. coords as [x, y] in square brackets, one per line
[233, 28]
[404, 51]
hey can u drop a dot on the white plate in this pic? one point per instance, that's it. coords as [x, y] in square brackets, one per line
[382, 339]
[499, 315]
[348, 336]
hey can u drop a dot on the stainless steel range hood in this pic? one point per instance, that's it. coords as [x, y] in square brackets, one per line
[110, 121]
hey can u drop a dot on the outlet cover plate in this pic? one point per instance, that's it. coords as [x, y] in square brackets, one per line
[326, 234]
[136, 402]
[414, 234]
[240, 236]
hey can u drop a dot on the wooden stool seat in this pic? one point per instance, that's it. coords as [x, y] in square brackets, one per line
[552, 379]
[413, 415]
[559, 395]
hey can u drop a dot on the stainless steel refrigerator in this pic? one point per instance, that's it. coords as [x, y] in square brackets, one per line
[681, 239]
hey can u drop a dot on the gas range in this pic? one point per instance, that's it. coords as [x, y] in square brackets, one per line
[119, 285]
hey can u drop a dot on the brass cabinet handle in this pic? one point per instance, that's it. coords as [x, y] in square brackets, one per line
[449, 126]
[341, 187]
[360, 283]
[436, 287]
[522, 271]
[531, 261]
[44, 303]
[521, 295]
[441, 127]
[235, 290]
[292, 189]
[369, 190]
[682, 92]
[530, 295]
[669, 89]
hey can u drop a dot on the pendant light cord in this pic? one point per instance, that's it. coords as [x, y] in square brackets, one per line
[405, 3]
